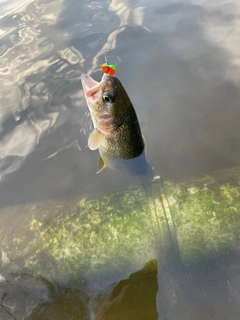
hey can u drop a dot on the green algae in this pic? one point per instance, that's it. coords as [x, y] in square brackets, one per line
[206, 214]
[111, 233]
[196, 219]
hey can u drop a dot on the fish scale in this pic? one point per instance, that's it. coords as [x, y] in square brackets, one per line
[126, 142]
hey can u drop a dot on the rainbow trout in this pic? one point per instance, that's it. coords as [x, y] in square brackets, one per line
[117, 134]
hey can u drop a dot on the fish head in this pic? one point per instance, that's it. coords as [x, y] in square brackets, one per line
[107, 101]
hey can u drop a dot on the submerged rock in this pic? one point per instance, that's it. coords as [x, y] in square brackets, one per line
[115, 234]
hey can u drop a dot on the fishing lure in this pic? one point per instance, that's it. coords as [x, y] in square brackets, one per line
[108, 69]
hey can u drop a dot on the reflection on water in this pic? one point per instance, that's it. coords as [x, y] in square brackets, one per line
[28, 297]
[25, 296]
[66, 256]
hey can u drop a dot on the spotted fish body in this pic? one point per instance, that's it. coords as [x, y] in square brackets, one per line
[117, 134]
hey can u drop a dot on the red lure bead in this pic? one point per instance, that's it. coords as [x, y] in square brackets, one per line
[108, 69]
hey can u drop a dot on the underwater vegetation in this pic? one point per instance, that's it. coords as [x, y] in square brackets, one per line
[197, 219]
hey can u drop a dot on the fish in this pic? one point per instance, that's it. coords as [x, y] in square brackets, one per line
[117, 133]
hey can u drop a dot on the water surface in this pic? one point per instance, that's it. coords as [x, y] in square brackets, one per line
[179, 62]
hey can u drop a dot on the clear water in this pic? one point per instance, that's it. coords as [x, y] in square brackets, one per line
[179, 62]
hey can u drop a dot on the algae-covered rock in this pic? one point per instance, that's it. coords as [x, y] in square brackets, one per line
[206, 215]
[193, 220]
[109, 234]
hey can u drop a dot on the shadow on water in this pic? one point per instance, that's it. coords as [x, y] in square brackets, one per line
[31, 297]
[209, 291]
[178, 62]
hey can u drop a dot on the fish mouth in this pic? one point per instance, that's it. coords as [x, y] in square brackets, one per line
[88, 82]
[91, 87]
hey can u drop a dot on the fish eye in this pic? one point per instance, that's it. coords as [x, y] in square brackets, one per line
[108, 96]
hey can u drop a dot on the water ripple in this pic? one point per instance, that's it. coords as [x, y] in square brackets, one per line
[35, 69]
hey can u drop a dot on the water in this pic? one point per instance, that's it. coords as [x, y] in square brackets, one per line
[179, 62]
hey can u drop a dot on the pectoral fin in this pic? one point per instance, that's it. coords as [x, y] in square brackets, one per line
[101, 165]
[95, 140]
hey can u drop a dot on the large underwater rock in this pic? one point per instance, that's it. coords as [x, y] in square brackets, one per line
[192, 220]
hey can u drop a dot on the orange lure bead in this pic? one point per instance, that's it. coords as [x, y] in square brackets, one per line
[108, 69]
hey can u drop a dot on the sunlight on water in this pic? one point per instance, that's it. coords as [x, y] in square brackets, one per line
[8, 5]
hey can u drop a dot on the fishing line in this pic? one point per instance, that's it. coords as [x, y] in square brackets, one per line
[101, 39]
[107, 68]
